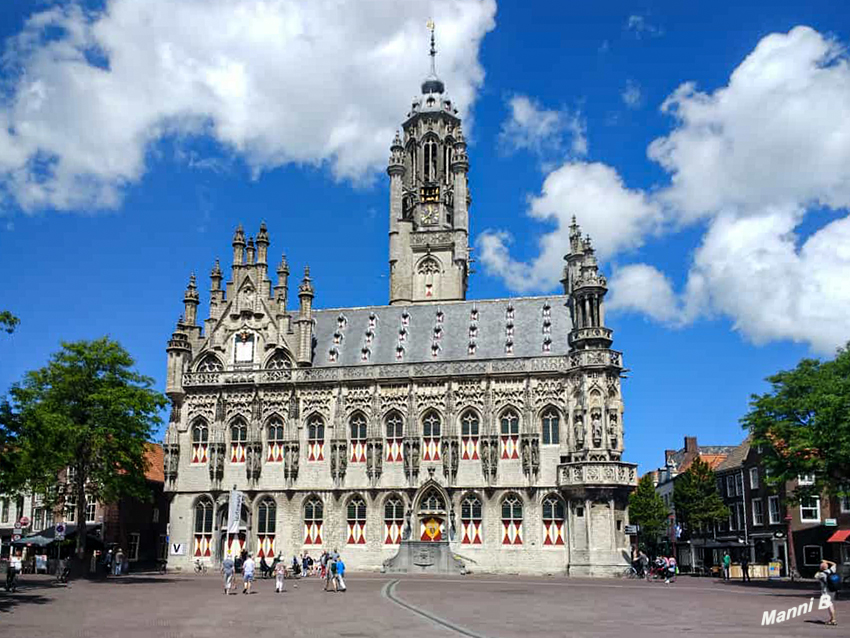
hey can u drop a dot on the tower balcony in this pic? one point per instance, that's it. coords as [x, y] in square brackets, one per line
[586, 475]
[598, 335]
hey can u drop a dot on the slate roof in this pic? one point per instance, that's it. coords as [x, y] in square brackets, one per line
[444, 324]
[736, 457]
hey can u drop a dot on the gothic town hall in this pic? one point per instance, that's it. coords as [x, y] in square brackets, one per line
[493, 425]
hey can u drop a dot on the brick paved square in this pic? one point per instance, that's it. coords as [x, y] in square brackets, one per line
[378, 605]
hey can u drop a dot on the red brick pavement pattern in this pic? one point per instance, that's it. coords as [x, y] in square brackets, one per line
[492, 606]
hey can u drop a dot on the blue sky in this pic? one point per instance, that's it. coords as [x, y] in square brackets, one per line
[135, 140]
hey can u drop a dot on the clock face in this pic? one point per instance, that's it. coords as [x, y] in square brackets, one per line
[429, 214]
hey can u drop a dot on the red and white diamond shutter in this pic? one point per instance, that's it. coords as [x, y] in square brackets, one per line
[470, 521]
[203, 537]
[357, 428]
[238, 440]
[431, 436]
[469, 431]
[553, 521]
[313, 518]
[266, 525]
[316, 439]
[356, 521]
[274, 441]
[512, 520]
[393, 520]
[200, 442]
[509, 439]
[395, 434]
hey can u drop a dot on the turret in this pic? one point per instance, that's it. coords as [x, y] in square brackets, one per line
[305, 320]
[179, 353]
[586, 289]
[281, 289]
[190, 302]
[262, 245]
[250, 250]
[238, 246]
[216, 293]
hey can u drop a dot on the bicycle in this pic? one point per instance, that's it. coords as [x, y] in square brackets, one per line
[200, 567]
[162, 566]
[632, 573]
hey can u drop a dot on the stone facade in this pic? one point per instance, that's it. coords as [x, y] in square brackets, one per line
[494, 424]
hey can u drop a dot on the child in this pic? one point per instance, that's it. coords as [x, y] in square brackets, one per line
[340, 572]
[279, 571]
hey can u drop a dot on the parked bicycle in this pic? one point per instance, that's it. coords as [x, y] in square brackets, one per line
[631, 572]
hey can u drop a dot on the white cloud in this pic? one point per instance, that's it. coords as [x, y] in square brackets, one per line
[640, 27]
[272, 81]
[632, 95]
[752, 160]
[532, 127]
[616, 217]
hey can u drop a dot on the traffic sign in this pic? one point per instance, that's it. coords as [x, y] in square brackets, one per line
[16, 537]
[24, 521]
[60, 531]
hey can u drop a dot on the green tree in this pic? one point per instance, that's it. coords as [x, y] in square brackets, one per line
[8, 321]
[803, 424]
[695, 497]
[647, 509]
[86, 410]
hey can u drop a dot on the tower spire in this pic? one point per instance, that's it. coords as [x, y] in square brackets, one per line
[430, 24]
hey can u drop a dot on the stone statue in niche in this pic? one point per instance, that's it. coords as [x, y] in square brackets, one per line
[219, 408]
[596, 428]
[405, 533]
[578, 428]
[613, 429]
[535, 455]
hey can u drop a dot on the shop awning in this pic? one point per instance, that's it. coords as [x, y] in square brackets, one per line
[840, 536]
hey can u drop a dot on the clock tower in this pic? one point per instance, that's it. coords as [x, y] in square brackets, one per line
[429, 200]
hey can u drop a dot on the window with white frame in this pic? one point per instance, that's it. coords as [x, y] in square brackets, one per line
[845, 504]
[91, 510]
[739, 484]
[71, 508]
[810, 509]
[773, 512]
[754, 478]
[4, 511]
[806, 479]
[730, 485]
[133, 547]
[758, 511]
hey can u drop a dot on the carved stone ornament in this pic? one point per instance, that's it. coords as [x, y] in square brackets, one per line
[578, 429]
[596, 428]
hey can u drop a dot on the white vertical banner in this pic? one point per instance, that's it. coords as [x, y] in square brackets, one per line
[234, 511]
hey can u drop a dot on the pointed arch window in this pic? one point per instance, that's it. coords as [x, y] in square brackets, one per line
[313, 521]
[551, 422]
[394, 424]
[432, 522]
[316, 438]
[431, 424]
[512, 520]
[200, 442]
[447, 162]
[430, 161]
[266, 526]
[238, 441]
[553, 520]
[393, 520]
[357, 428]
[469, 431]
[274, 432]
[470, 521]
[509, 438]
[203, 537]
[210, 363]
[356, 516]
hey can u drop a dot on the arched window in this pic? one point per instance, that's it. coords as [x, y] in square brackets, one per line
[356, 521]
[551, 426]
[394, 423]
[469, 428]
[431, 436]
[512, 520]
[447, 162]
[279, 361]
[432, 502]
[274, 442]
[209, 363]
[553, 520]
[428, 269]
[203, 528]
[238, 440]
[266, 525]
[200, 442]
[316, 438]
[509, 439]
[432, 516]
[313, 519]
[393, 520]
[357, 427]
[470, 521]
[430, 161]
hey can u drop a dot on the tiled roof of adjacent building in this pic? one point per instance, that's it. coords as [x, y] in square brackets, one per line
[155, 458]
[444, 331]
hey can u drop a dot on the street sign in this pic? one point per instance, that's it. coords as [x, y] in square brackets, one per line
[16, 537]
[831, 522]
[177, 549]
[60, 531]
[632, 530]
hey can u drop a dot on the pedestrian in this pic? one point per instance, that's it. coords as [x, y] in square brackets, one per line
[745, 567]
[644, 564]
[119, 561]
[331, 579]
[323, 562]
[828, 587]
[305, 564]
[14, 568]
[279, 574]
[340, 573]
[727, 564]
[247, 574]
[672, 570]
[227, 568]
[107, 561]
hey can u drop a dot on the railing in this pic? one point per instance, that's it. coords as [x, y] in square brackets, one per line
[593, 473]
[591, 333]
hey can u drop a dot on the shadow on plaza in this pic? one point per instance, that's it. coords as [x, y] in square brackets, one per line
[134, 580]
[9, 601]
